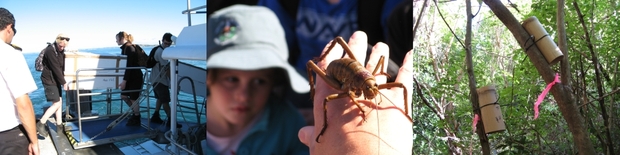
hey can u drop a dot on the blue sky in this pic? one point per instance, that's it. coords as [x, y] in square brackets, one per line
[94, 23]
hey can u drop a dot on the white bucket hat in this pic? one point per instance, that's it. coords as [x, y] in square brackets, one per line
[246, 37]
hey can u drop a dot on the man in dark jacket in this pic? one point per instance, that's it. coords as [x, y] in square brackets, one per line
[53, 79]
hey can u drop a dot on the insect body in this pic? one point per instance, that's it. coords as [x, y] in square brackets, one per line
[351, 77]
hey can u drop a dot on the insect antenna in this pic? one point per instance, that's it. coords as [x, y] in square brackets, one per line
[377, 117]
[408, 117]
[384, 97]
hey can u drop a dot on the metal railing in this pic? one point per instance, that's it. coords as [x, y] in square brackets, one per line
[108, 105]
[145, 95]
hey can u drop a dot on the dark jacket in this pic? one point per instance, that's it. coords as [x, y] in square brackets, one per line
[131, 75]
[54, 61]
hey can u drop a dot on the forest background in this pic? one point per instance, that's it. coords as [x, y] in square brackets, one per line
[455, 56]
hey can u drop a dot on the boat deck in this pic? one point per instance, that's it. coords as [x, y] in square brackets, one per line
[69, 143]
[59, 144]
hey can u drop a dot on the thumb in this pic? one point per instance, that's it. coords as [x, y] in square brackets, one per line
[305, 135]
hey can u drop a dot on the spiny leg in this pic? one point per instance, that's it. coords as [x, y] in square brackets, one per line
[328, 98]
[352, 95]
[345, 47]
[380, 65]
[309, 67]
[398, 84]
[321, 73]
[337, 40]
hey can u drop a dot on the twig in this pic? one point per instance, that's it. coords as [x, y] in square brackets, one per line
[610, 93]
[450, 28]
[421, 95]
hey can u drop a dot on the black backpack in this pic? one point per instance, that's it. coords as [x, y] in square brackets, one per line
[142, 57]
[38, 63]
[151, 61]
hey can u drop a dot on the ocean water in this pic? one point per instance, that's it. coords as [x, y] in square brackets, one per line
[185, 99]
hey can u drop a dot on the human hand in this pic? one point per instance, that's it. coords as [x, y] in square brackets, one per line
[66, 86]
[387, 129]
[122, 85]
[33, 149]
[308, 115]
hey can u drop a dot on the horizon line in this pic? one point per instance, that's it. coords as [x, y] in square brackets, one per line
[90, 48]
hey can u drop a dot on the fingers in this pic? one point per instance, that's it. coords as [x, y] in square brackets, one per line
[305, 135]
[405, 75]
[358, 44]
[377, 51]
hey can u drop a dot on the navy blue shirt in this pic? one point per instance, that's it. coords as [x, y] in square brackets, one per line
[318, 22]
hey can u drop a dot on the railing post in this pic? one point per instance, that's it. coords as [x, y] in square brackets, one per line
[109, 101]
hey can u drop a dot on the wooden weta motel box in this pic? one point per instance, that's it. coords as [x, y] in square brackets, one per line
[489, 109]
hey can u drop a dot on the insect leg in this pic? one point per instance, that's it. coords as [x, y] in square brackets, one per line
[398, 84]
[352, 96]
[309, 67]
[345, 47]
[320, 73]
[380, 65]
[331, 46]
[327, 99]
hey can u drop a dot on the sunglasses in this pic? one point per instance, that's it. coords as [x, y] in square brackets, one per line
[14, 30]
[167, 43]
[64, 38]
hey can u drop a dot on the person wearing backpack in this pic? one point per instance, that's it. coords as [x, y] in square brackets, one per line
[160, 78]
[132, 79]
[53, 80]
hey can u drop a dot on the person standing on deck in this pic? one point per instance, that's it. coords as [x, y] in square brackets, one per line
[132, 79]
[53, 80]
[17, 131]
[160, 78]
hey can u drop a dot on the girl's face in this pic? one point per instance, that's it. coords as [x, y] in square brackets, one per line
[238, 96]
[119, 41]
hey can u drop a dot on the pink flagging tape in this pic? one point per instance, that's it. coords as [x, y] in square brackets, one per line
[476, 118]
[544, 93]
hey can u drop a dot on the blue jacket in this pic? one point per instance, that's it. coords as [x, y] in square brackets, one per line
[275, 133]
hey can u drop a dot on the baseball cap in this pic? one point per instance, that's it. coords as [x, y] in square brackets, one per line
[246, 37]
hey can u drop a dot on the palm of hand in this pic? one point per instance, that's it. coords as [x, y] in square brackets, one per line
[386, 129]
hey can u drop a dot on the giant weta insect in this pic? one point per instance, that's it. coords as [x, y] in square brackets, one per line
[350, 76]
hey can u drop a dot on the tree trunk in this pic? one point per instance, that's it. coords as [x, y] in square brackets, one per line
[484, 140]
[560, 94]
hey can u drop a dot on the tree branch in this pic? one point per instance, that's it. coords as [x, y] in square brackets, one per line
[484, 140]
[421, 95]
[599, 83]
[565, 103]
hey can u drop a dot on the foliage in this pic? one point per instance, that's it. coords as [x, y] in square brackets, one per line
[444, 124]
